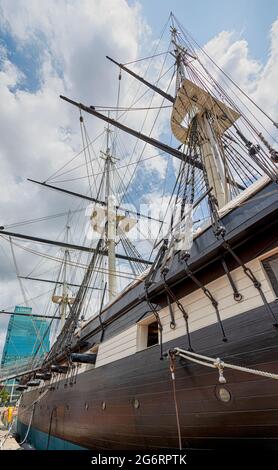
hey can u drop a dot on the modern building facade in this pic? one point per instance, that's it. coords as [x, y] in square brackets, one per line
[27, 336]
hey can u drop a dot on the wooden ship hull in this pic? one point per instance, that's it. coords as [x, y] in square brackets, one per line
[126, 400]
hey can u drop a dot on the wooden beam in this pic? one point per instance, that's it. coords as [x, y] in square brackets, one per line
[72, 246]
[71, 193]
[28, 315]
[149, 140]
[88, 198]
[141, 79]
[55, 282]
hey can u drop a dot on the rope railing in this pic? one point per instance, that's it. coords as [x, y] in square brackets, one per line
[217, 363]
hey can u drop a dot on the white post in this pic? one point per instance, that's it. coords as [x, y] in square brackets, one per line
[111, 238]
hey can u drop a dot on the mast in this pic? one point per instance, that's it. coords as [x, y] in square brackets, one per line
[64, 303]
[110, 228]
[63, 300]
[202, 110]
[178, 56]
[212, 162]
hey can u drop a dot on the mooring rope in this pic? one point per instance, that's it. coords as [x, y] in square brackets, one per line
[32, 415]
[29, 426]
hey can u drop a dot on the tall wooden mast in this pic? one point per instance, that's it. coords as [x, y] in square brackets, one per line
[211, 118]
[63, 310]
[110, 228]
[64, 299]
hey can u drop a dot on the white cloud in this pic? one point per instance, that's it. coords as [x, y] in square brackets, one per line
[39, 133]
[234, 58]
[265, 90]
[257, 79]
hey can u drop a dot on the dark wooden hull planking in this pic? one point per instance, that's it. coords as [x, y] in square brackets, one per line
[96, 409]
[251, 414]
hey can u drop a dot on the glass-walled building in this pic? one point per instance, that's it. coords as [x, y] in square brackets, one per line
[27, 336]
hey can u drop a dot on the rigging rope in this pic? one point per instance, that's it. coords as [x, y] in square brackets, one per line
[173, 378]
[35, 324]
[123, 274]
[109, 171]
[17, 273]
[33, 405]
[186, 33]
[145, 58]
[73, 158]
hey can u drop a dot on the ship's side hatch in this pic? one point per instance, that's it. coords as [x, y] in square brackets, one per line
[147, 333]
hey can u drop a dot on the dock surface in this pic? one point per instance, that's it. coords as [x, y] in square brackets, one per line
[9, 443]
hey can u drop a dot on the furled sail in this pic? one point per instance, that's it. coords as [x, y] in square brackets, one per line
[195, 107]
[192, 100]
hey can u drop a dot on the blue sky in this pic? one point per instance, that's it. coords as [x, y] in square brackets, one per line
[250, 19]
[206, 18]
[27, 59]
[59, 47]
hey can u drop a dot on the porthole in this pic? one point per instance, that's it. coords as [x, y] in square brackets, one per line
[103, 405]
[223, 394]
[136, 403]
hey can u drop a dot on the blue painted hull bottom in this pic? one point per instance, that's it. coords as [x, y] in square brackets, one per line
[41, 441]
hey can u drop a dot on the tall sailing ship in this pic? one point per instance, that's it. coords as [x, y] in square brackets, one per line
[185, 355]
